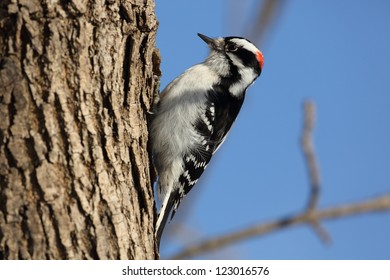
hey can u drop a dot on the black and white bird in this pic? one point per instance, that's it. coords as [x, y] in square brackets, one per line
[194, 115]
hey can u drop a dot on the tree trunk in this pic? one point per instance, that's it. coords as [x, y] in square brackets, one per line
[76, 81]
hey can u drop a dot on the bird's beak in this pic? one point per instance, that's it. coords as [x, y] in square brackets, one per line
[209, 41]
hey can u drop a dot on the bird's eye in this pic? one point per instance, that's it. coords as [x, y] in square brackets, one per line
[231, 48]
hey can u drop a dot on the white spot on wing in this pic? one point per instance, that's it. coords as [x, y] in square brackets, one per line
[212, 109]
[207, 122]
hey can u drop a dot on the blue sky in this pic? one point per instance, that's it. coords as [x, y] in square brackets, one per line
[336, 53]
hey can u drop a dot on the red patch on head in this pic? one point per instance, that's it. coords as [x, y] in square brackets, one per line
[260, 59]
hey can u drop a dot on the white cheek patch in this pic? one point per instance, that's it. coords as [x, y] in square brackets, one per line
[248, 76]
[236, 61]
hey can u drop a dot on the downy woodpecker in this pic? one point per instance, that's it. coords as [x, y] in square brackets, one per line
[194, 116]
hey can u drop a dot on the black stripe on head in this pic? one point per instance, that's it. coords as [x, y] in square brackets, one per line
[233, 77]
[236, 37]
[249, 59]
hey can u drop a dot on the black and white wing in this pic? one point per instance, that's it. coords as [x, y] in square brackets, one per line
[213, 126]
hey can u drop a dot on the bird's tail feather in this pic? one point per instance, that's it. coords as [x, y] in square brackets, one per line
[166, 208]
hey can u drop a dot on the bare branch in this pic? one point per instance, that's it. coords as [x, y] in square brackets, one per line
[321, 232]
[312, 166]
[308, 151]
[369, 206]
[267, 14]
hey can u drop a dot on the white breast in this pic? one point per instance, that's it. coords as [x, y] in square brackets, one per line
[181, 103]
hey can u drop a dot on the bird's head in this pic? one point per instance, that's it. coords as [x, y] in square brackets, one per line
[239, 51]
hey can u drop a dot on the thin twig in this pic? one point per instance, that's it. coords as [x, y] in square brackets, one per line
[312, 166]
[321, 232]
[309, 154]
[267, 14]
[369, 206]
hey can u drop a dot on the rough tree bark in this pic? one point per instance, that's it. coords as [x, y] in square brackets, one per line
[76, 81]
